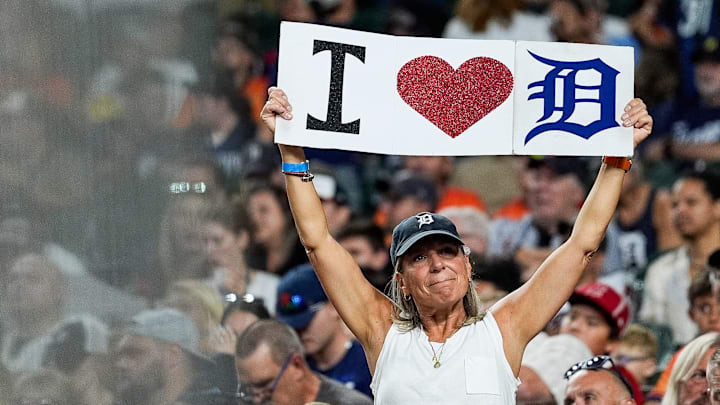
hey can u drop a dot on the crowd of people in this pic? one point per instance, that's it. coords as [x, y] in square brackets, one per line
[149, 253]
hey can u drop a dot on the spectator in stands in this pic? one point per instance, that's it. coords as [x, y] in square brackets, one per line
[696, 130]
[494, 278]
[328, 347]
[439, 169]
[482, 19]
[334, 200]
[271, 367]
[472, 225]
[158, 361]
[592, 326]
[637, 351]
[703, 312]
[242, 312]
[236, 51]
[597, 381]
[274, 243]
[643, 221]
[365, 242]
[199, 302]
[227, 235]
[688, 383]
[33, 300]
[586, 22]
[555, 198]
[409, 194]
[181, 245]
[79, 349]
[517, 207]
[696, 214]
[45, 387]
[332, 12]
[704, 308]
[230, 128]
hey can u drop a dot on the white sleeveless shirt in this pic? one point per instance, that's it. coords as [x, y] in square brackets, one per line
[473, 368]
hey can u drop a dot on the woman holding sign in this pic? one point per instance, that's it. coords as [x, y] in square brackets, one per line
[430, 344]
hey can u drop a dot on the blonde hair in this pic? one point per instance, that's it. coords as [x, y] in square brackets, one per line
[640, 337]
[686, 363]
[187, 295]
[406, 315]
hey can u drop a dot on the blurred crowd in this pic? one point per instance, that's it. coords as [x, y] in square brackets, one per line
[147, 249]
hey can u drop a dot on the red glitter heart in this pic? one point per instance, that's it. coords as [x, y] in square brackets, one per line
[452, 99]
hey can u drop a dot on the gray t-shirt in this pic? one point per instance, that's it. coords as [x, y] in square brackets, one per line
[334, 393]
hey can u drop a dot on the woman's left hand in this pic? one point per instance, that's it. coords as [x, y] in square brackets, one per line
[636, 115]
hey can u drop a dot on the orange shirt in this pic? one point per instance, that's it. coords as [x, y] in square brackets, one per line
[513, 210]
[460, 197]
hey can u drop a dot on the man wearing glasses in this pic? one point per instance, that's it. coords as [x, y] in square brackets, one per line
[597, 381]
[272, 369]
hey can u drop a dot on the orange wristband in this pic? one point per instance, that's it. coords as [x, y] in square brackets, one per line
[619, 162]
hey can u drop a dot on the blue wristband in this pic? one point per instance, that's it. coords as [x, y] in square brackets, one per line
[303, 167]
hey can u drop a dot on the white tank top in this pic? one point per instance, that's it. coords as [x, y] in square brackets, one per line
[473, 368]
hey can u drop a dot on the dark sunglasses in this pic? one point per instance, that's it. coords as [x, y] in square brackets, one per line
[598, 363]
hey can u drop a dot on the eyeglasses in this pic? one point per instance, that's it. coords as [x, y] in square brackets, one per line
[248, 394]
[597, 363]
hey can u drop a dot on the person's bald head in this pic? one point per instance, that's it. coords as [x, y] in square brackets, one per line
[599, 386]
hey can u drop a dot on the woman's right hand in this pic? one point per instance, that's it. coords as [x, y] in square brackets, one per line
[277, 104]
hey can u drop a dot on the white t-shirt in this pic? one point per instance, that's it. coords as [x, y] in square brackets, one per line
[473, 368]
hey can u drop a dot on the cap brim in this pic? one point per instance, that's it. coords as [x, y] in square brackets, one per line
[298, 321]
[580, 299]
[421, 235]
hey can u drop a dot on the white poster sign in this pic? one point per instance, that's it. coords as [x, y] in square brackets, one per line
[377, 93]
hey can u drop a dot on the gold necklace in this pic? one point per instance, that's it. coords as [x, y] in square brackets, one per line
[436, 356]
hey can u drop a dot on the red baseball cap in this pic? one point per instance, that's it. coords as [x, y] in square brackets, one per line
[605, 299]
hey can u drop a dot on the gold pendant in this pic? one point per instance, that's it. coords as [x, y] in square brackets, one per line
[437, 364]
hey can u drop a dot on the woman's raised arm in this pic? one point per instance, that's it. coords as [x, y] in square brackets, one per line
[365, 310]
[526, 311]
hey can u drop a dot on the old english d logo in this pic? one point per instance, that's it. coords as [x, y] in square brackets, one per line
[566, 72]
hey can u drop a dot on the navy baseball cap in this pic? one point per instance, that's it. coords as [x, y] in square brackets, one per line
[299, 296]
[419, 226]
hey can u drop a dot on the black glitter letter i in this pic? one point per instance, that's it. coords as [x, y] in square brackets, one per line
[337, 70]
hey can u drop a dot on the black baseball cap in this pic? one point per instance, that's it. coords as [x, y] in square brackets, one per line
[412, 229]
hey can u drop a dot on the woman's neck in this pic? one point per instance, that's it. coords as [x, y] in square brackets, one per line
[439, 325]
